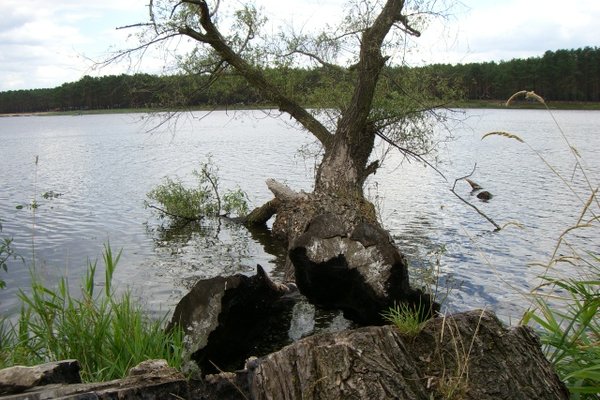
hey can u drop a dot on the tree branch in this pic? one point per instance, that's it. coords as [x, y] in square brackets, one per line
[253, 75]
[410, 153]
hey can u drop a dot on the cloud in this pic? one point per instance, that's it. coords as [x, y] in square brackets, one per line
[495, 31]
[46, 43]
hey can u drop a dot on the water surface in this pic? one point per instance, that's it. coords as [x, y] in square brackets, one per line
[102, 166]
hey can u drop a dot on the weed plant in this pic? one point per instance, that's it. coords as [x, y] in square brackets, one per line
[565, 304]
[107, 333]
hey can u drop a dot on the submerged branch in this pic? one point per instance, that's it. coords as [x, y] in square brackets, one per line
[469, 203]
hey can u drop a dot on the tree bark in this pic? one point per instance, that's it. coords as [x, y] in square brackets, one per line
[466, 356]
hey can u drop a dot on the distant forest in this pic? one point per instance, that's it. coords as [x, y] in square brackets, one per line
[563, 75]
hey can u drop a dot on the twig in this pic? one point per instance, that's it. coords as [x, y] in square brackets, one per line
[214, 185]
[410, 153]
[232, 383]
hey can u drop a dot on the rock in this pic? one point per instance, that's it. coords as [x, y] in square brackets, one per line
[150, 380]
[468, 356]
[360, 272]
[474, 185]
[223, 318]
[484, 195]
[17, 379]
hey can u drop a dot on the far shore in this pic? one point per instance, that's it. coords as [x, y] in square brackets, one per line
[477, 104]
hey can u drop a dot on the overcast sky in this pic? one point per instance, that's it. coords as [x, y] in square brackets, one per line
[44, 43]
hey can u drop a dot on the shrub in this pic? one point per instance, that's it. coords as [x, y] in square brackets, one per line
[205, 200]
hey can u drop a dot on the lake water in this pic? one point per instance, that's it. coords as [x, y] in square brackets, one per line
[100, 168]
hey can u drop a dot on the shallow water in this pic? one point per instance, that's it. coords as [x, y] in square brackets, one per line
[102, 166]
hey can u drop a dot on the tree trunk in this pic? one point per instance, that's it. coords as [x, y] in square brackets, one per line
[335, 242]
[464, 356]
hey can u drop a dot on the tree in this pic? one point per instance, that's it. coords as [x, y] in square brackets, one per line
[360, 100]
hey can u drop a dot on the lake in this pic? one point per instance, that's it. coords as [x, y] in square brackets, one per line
[95, 171]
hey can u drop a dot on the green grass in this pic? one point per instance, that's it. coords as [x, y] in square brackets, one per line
[407, 319]
[107, 333]
[569, 329]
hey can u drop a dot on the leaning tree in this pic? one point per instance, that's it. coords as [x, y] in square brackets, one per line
[364, 98]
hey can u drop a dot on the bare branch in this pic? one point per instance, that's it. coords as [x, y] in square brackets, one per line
[143, 47]
[410, 153]
[316, 58]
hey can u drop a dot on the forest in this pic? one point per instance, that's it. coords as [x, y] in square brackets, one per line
[562, 75]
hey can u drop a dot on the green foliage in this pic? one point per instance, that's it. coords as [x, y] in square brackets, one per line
[562, 75]
[107, 333]
[407, 319]
[235, 202]
[570, 331]
[179, 202]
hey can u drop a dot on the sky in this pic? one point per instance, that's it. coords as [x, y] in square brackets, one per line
[46, 43]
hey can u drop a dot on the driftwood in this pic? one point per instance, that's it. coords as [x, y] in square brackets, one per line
[474, 186]
[224, 318]
[283, 192]
[150, 380]
[260, 215]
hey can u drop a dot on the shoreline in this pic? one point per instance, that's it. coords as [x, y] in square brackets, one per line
[474, 104]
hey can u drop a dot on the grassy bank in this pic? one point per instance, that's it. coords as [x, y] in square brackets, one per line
[107, 333]
[564, 305]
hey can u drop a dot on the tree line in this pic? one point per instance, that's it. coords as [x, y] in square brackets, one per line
[563, 75]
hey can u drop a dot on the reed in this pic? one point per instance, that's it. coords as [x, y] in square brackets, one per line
[107, 333]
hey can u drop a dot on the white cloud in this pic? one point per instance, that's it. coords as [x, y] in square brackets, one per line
[45, 43]
[494, 31]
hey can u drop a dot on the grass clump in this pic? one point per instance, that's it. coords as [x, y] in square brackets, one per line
[107, 333]
[407, 319]
[571, 332]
